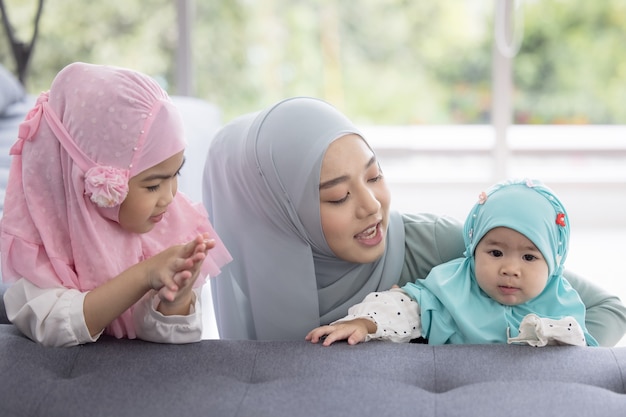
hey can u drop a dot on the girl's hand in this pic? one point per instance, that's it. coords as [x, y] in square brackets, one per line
[174, 271]
[179, 302]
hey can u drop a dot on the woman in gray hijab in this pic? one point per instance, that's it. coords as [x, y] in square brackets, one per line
[300, 202]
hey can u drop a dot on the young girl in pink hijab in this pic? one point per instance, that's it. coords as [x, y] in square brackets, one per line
[94, 235]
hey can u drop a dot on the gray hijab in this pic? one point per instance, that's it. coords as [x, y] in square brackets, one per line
[261, 188]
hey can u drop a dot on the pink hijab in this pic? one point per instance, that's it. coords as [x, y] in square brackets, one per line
[96, 128]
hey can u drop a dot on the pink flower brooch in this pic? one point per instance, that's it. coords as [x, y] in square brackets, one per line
[107, 186]
[560, 219]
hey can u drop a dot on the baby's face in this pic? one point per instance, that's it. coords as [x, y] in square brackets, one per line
[509, 267]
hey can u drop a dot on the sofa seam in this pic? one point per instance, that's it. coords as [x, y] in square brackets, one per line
[70, 372]
[249, 382]
[435, 384]
[39, 407]
[621, 373]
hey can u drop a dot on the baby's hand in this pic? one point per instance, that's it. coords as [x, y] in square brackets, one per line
[354, 331]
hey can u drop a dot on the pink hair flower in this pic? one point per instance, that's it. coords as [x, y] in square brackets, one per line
[106, 186]
[482, 198]
[560, 219]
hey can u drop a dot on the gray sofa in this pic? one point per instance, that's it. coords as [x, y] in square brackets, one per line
[247, 378]
[269, 378]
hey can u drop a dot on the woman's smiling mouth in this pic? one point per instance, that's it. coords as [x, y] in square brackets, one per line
[371, 236]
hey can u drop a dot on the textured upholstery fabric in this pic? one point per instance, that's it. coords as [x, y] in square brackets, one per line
[3, 313]
[257, 378]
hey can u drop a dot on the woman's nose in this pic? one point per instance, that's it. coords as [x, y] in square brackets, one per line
[368, 204]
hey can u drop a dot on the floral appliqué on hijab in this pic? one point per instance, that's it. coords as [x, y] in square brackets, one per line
[107, 186]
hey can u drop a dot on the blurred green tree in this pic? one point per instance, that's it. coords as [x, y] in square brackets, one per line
[384, 62]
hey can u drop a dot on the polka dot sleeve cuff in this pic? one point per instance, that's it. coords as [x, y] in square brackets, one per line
[397, 316]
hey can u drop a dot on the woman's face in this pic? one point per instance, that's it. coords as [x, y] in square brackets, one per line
[354, 201]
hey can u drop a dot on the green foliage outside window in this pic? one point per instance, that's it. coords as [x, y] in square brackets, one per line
[384, 62]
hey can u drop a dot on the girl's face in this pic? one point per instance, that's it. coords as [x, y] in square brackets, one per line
[149, 194]
[354, 201]
[509, 267]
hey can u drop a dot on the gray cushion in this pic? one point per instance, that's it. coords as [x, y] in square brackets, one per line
[256, 378]
[3, 312]
[11, 90]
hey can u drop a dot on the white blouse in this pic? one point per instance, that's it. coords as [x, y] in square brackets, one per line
[54, 317]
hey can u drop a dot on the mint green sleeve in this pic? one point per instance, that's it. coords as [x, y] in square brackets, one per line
[431, 240]
[606, 314]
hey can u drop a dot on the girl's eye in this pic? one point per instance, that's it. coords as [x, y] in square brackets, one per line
[153, 188]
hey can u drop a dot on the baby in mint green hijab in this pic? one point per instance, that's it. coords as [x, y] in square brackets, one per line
[508, 287]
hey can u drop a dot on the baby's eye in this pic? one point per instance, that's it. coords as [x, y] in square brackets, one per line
[529, 257]
[497, 253]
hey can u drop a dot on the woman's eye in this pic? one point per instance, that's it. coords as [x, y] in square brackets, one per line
[342, 200]
[376, 178]
[153, 188]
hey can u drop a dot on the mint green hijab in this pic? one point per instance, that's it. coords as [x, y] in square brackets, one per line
[455, 310]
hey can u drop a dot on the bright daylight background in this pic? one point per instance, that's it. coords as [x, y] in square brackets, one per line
[453, 94]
